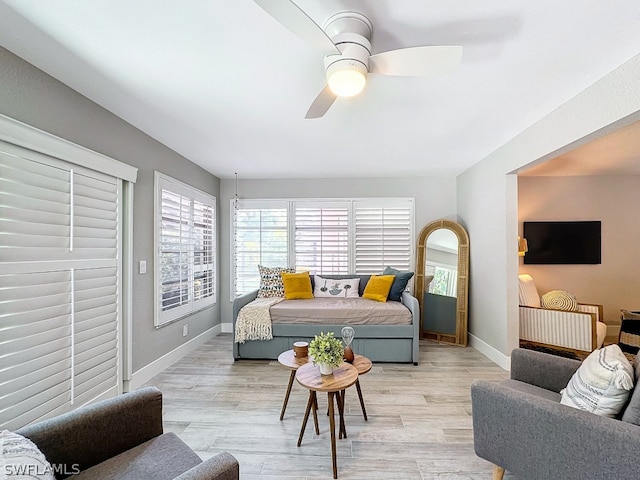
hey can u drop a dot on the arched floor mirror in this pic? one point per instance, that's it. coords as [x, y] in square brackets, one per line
[442, 282]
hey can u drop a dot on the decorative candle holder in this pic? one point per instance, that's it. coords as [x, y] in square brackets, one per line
[301, 349]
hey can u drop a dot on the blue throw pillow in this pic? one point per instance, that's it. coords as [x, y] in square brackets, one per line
[399, 283]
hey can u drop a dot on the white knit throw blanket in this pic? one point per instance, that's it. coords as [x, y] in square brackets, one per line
[254, 320]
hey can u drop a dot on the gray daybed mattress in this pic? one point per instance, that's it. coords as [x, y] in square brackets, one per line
[343, 311]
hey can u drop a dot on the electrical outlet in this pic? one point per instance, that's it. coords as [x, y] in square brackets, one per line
[185, 330]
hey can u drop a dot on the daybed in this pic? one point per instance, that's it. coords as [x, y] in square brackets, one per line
[379, 341]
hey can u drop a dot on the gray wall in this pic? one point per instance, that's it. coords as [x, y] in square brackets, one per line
[613, 200]
[435, 198]
[487, 199]
[33, 97]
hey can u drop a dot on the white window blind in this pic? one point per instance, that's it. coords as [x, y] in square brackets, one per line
[185, 250]
[326, 236]
[383, 237]
[322, 238]
[59, 286]
[260, 238]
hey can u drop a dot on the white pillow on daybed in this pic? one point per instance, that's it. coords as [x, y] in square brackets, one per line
[331, 288]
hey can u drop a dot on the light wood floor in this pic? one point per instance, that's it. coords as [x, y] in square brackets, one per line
[419, 417]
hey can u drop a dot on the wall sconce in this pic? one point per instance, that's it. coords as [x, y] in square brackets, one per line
[523, 247]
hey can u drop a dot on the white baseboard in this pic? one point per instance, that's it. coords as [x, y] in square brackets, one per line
[613, 330]
[227, 327]
[491, 353]
[147, 372]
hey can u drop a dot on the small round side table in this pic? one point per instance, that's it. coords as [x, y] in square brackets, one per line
[363, 365]
[342, 378]
[289, 360]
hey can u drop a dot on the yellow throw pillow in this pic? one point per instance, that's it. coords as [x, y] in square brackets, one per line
[297, 285]
[378, 287]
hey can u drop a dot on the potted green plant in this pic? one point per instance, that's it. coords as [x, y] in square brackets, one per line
[327, 352]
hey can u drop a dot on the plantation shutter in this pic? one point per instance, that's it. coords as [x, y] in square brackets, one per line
[260, 238]
[383, 235]
[203, 252]
[59, 286]
[322, 238]
[176, 244]
[185, 238]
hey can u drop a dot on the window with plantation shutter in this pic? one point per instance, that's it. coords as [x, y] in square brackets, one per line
[185, 250]
[59, 286]
[260, 237]
[322, 238]
[383, 235]
[325, 236]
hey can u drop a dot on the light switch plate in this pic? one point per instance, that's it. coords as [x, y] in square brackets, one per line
[142, 268]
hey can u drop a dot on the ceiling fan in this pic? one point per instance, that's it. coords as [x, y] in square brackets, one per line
[345, 43]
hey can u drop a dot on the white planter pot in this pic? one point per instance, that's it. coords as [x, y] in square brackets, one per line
[325, 369]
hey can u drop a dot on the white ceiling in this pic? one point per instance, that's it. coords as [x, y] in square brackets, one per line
[225, 85]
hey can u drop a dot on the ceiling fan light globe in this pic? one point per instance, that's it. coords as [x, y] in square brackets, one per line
[346, 78]
[347, 83]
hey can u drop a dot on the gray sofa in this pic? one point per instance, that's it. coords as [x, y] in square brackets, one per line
[520, 426]
[380, 343]
[122, 438]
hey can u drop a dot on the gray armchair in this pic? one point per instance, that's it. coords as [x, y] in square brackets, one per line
[122, 438]
[520, 426]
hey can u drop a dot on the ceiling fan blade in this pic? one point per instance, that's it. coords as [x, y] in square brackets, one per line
[298, 22]
[416, 61]
[321, 104]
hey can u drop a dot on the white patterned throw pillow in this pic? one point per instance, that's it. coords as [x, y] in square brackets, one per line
[328, 287]
[21, 459]
[602, 384]
[271, 281]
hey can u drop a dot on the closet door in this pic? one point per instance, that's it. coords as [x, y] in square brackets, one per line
[59, 286]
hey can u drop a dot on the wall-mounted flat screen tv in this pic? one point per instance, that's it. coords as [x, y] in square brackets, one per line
[563, 243]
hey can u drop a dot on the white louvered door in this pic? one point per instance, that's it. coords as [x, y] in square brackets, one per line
[59, 286]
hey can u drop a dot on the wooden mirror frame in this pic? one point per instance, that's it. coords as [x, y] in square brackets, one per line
[460, 337]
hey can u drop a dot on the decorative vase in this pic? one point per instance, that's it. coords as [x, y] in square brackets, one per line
[348, 354]
[325, 369]
[347, 337]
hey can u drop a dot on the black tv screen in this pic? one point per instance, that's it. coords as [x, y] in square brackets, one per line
[563, 243]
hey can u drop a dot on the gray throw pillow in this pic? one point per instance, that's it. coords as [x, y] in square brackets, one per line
[399, 283]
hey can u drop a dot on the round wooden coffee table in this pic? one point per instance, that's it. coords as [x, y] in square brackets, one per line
[342, 378]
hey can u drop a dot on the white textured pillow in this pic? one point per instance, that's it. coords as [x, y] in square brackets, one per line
[328, 287]
[559, 300]
[271, 281]
[21, 459]
[528, 293]
[602, 384]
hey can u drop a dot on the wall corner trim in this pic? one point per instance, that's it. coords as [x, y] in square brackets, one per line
[146, 373]
[227, 327]
[490, 352]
